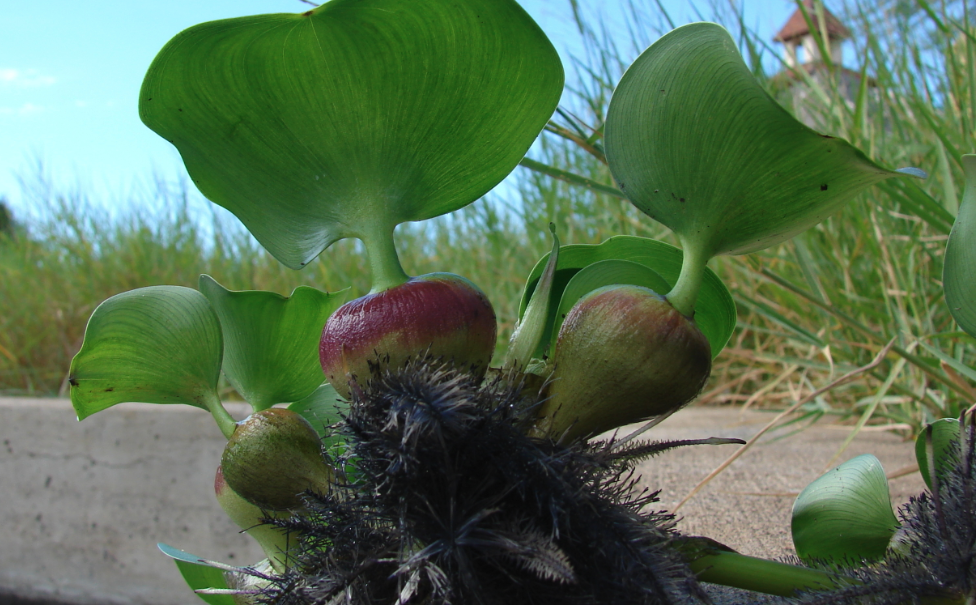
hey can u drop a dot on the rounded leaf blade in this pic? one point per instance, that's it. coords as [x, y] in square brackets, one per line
[715, 312]
[160, 344]
[845, 515]
[353, 117]
[271, 341]
[959, 271]
[694, 141]
[945, 432]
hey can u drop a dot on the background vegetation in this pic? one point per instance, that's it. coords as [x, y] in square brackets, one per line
[812, 309]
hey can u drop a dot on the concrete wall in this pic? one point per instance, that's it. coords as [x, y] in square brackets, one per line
[82, 505]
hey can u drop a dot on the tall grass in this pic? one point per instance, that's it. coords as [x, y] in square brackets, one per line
[73, 254]
[810, 310]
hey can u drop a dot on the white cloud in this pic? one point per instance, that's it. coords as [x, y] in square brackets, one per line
[28, 78]
[27, 109]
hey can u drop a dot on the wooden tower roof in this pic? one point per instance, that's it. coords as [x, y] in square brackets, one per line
[796, 25]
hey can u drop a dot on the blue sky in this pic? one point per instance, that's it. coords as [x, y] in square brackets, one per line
[70, 72]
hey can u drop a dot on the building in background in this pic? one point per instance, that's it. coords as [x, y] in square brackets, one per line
[802, 52]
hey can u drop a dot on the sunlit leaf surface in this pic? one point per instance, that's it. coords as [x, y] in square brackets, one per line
[355, 116]
[959, 271]
[695, 142]
[845, 515]
[271, 352]
[160, 344]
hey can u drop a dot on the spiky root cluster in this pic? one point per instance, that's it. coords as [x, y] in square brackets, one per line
[447, 501]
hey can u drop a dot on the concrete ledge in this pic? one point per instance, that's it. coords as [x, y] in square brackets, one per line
[83, 505]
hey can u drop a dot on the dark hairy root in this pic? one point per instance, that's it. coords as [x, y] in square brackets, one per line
[447, 501]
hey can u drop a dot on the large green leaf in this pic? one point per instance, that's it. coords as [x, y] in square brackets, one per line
[271, 352]
[715, 312]
[160, 344]
[199, 573]
[959, 271]
[845, 515]
[694, 141]
[355, 116]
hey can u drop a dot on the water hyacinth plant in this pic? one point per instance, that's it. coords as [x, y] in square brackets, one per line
[405, 466]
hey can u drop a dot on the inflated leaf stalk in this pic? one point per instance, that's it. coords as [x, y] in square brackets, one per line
[715, 313]
[274, 541]
[623, 354]
[845, 516]
[160, 344]
[959, 271]
[273, 457]
[605, 273]
[694, 141]
[270, 341]
[438, 315]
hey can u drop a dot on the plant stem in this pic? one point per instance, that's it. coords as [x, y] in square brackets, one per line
[760, 575]
[684, 294]
[225, 421]
[384, 263]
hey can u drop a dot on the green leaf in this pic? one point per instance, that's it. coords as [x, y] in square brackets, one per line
[606, 273]
[160, 344]
[845, 515]
[353, 117]
[959, 271]
[695, 142]
[199, 573]
[715, 314]
[529, 337]
[322, 408]
[944, 432]
[271, 352]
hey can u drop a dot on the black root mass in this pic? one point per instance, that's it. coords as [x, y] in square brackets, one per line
[447, 501]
